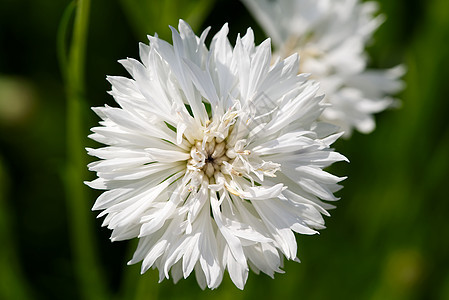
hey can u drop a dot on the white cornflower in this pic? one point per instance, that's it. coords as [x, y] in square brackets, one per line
[214, 157]
[330, 37]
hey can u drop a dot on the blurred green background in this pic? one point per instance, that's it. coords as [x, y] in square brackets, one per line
[388, 238]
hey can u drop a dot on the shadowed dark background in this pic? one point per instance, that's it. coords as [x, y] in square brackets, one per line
[387, 239]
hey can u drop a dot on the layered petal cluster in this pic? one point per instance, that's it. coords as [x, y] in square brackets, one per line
[330, 37]
[214, 157]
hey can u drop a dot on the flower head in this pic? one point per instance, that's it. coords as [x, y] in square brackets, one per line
[214, 157]
[330, 37]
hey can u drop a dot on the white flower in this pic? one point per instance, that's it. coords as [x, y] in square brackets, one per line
[330, 37]
[214, 157]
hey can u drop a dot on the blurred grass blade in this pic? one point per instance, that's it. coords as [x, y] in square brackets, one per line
[150, 16]
[198, 13]
[62, 34]
[83, 244]
[12, 283]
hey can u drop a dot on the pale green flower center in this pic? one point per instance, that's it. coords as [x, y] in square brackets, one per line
[208, 157]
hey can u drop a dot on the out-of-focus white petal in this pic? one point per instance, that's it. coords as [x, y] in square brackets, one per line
[330, 36]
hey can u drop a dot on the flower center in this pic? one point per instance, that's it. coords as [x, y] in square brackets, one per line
[207, 157]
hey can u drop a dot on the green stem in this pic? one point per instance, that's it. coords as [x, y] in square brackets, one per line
[88, 270]
[77, 55]
[62, 38]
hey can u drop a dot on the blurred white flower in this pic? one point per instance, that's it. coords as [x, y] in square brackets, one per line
[214, 157]
[330, 37]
